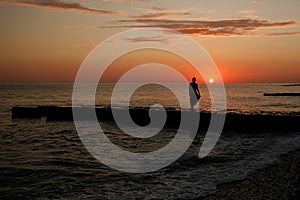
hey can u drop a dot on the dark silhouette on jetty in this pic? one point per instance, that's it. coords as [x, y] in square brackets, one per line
[283, 94]
[234, 121]
[194, 93]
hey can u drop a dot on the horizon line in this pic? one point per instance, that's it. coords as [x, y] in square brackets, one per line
[16, 82]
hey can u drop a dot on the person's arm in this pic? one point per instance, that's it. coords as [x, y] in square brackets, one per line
[198, 92]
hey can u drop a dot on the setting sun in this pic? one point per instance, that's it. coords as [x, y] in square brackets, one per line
[211, 80]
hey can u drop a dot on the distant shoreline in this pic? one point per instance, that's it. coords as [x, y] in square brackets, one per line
[291, 85]
[284, 94]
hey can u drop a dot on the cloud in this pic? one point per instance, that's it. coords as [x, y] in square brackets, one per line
[157, 8]
[59, 5]
[228, 27]
[156, 12]
[148, 39]
[280, 34]
[150, 15]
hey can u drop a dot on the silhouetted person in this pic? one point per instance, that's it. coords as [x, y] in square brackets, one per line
[194, 93]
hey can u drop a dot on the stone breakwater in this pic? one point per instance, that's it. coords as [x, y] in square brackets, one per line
[233, 122]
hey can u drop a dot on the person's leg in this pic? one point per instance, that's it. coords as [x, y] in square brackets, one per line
[192, 104]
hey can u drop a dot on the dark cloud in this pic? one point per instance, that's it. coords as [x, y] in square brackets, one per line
[148, 39]
[281, 34]
[236, 23]
[150, 15]
[61, 5]
[156, 15]
[199, 27]
[156, 12]
[157, 8]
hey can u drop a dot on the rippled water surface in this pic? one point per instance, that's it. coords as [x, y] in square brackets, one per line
[41, 159]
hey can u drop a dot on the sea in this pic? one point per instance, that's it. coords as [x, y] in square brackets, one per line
[43, 159]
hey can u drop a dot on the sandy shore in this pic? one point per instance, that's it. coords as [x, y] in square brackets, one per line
[280, 181]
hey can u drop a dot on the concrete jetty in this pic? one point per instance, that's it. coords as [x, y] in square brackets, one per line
[233, 122]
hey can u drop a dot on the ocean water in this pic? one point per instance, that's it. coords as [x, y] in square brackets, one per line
[46, 160]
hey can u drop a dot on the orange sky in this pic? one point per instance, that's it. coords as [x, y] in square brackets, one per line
[250, 41]
[135, 58]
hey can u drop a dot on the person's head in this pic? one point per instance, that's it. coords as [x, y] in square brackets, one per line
[194, 79]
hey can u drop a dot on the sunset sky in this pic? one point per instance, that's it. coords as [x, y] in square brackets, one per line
[250, 41]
